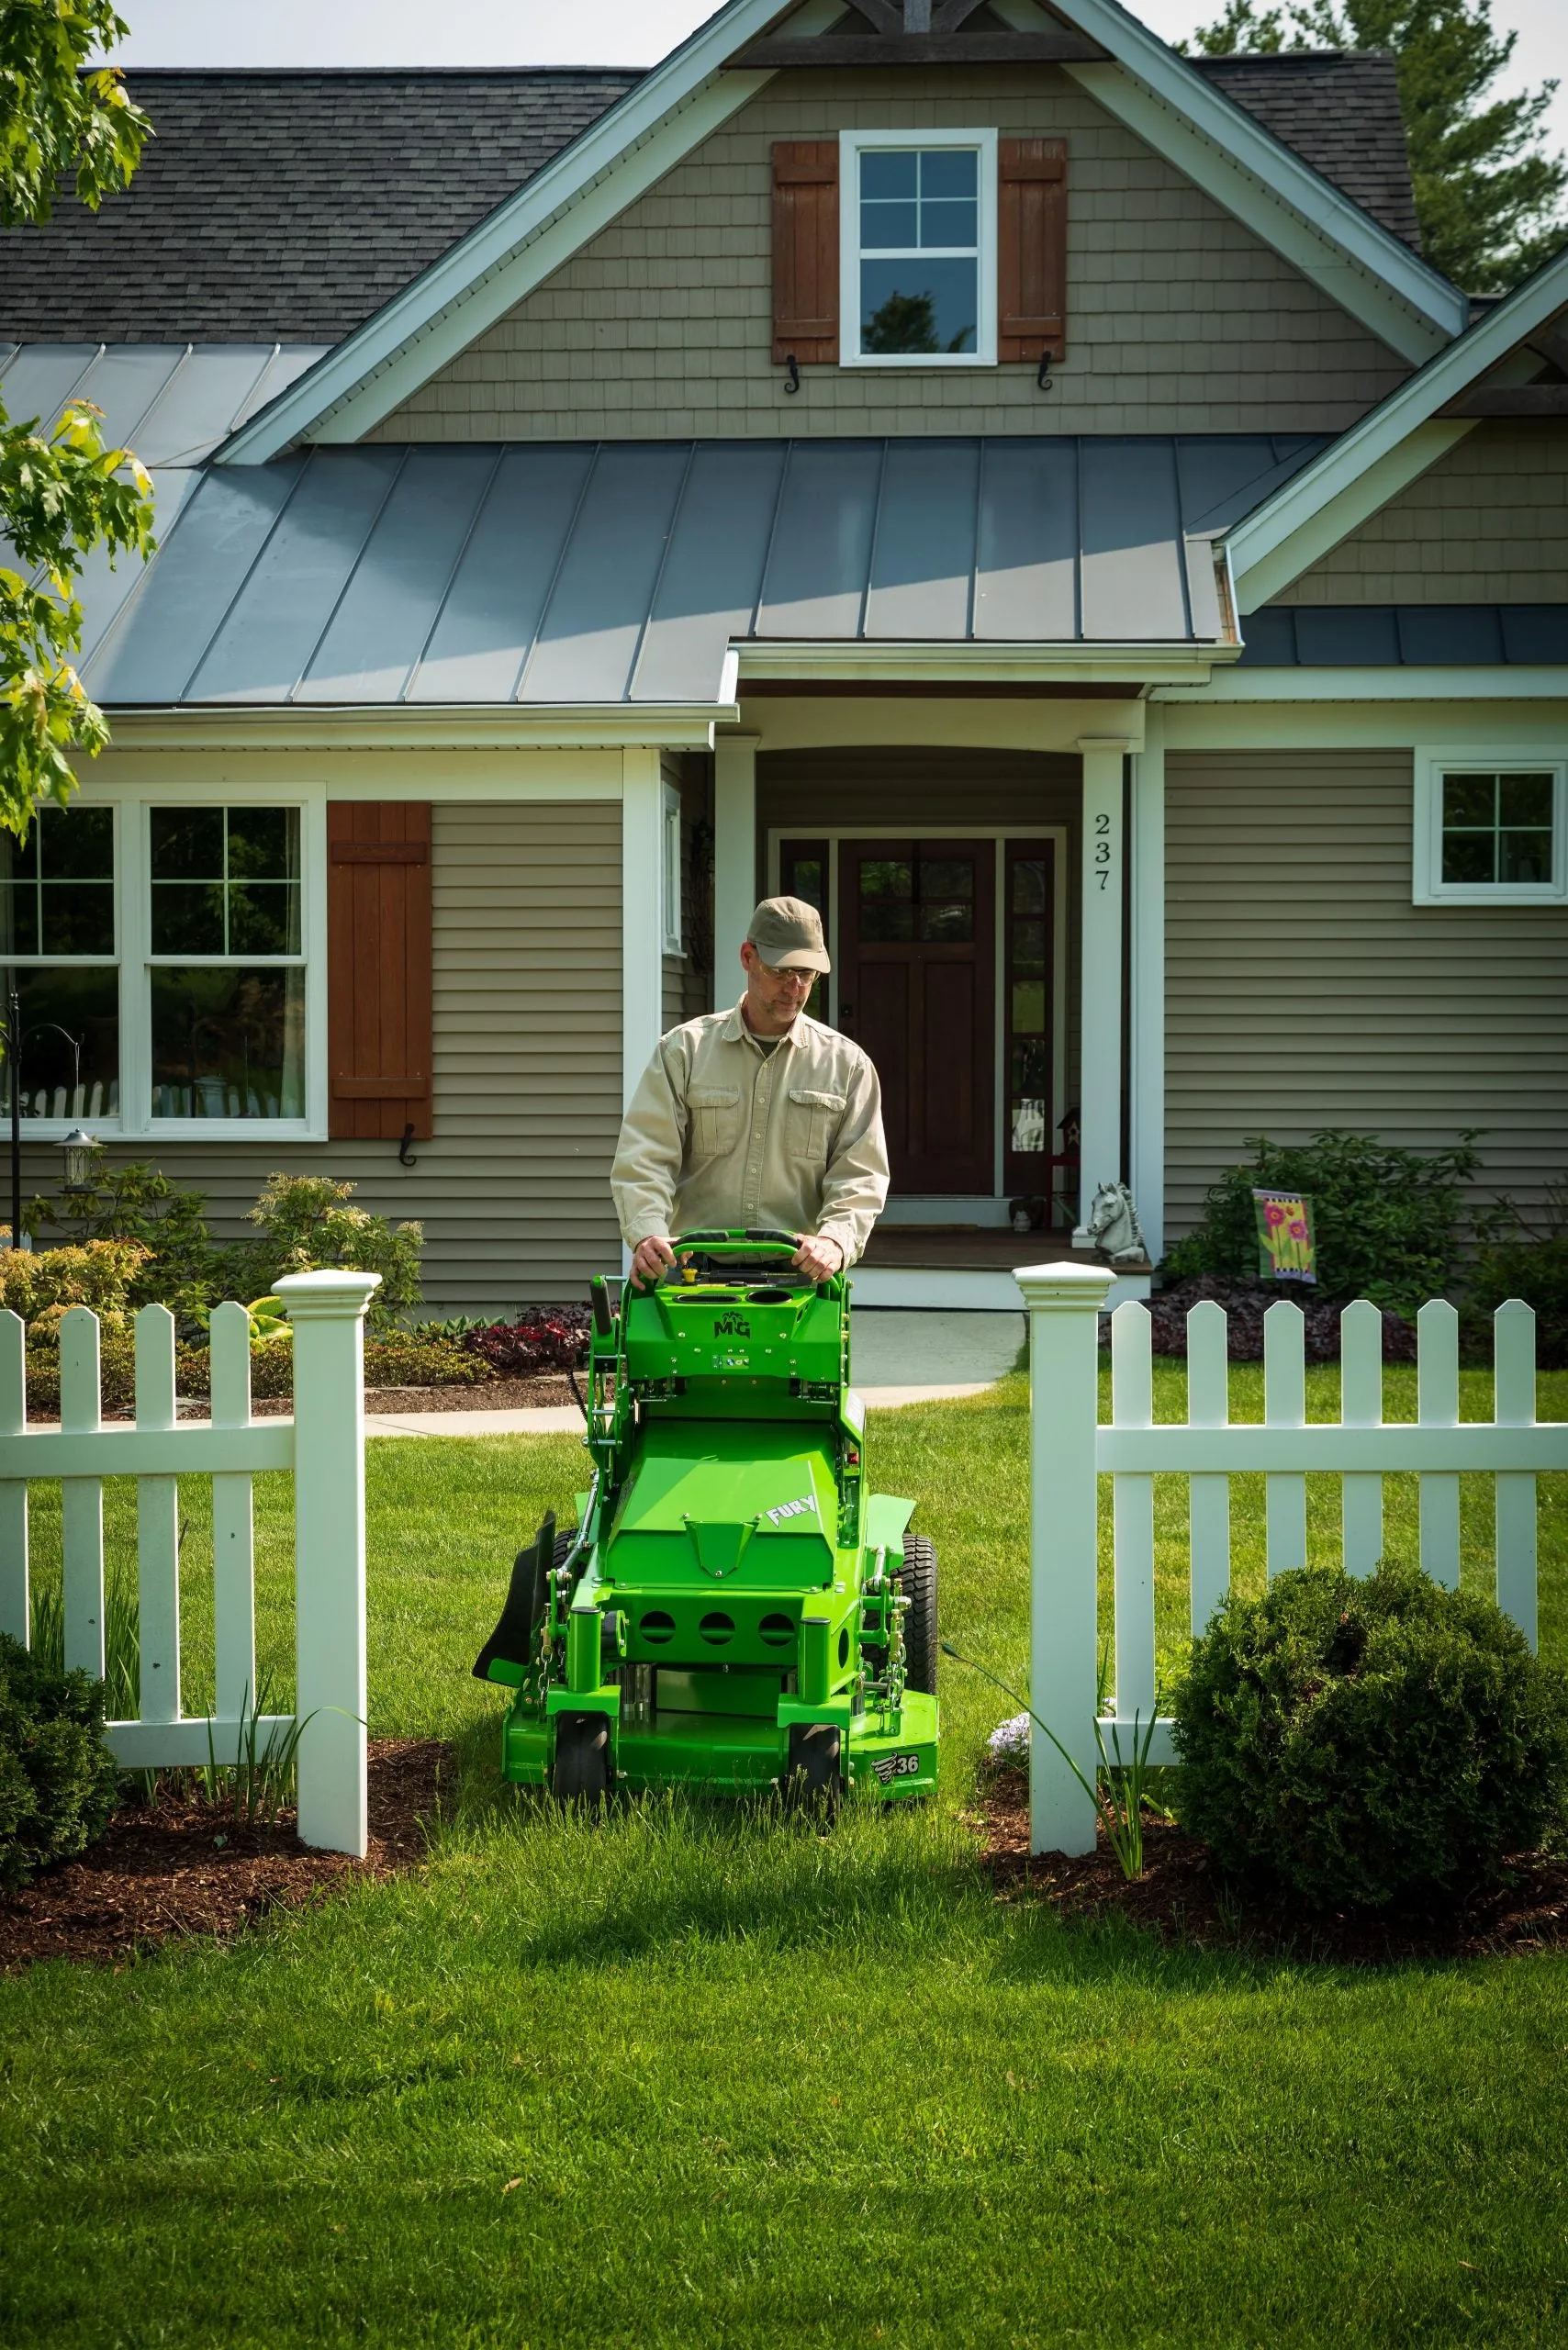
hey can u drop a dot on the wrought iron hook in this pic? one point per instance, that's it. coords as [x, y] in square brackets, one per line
[794, 367]
[403, 1158]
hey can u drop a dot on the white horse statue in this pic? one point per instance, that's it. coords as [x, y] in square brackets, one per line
[1114, 1226]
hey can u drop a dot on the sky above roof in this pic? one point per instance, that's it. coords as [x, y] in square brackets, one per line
[592, 32]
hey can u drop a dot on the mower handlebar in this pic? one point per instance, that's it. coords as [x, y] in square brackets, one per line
[736, 1244]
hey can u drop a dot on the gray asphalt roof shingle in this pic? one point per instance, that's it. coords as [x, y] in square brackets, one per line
[1339, 109]
[286, 206]
[290, 206]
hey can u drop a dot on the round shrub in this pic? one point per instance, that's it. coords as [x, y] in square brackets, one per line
[1356, 1743]
[58, 1779]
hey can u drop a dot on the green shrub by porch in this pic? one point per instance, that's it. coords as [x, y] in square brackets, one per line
[57, 1777]
[1355, 1743]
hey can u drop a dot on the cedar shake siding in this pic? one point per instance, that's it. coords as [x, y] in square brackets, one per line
[1487, 524]
[1305, 989]
[1177, 318]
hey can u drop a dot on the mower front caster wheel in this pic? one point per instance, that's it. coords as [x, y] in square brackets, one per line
[813, 1776]
[582, 1760]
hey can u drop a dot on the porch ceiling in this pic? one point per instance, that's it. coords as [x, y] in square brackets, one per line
[620, 574]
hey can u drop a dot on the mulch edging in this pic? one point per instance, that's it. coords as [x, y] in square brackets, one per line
[1183, 1896]
[161, 1873]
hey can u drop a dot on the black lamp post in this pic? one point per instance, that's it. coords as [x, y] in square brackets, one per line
[14, 1049]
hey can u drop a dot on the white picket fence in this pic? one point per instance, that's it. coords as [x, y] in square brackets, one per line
[323, 1444]
[1070, 1450]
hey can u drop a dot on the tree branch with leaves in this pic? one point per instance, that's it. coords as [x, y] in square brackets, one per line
[63, 492]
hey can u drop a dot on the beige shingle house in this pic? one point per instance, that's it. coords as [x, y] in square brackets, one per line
[968, 464]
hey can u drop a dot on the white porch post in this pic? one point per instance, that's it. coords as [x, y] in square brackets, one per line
[1099, 1017]
[642, 934]
[1147, 1173]
[734, 857]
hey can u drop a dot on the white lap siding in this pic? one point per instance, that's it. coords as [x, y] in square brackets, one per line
[513, 1186]
[1305, 989]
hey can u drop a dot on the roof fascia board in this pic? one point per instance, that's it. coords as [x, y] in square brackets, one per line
[380, 726]
[1363, 269]
[1283, 539]
[487, 271]
[1132, 664]
[1498, 681]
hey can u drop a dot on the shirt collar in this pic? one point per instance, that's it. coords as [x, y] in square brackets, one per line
[735, 1032]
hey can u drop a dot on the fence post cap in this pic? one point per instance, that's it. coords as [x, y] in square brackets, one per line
[326, 1296]
[1064, 1287]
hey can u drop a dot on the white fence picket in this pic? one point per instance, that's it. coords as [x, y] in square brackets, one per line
[1132, 1406]
[1361, 1449]
[1513, 1331]
[1436, 1387]
[233, 1530]
[82, 1498]
[16, 1613]
[157, 1525]
[1361, 1407]
[1208, 1496]
[1284, 1406]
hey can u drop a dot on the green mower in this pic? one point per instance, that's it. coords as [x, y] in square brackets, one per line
[733, 1608]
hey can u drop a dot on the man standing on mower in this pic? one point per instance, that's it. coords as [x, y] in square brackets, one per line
[756, 1116]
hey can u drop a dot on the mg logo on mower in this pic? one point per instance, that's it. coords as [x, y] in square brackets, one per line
[732, 1325]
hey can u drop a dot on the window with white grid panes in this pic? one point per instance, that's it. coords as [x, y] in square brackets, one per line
[225, 974]
[1490, 831]
[58, 954]
[919, 260]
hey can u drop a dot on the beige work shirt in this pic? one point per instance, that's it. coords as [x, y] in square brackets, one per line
[720, 1133]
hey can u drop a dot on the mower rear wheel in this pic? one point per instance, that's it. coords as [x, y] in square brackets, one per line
[582, 1760]
[813, 1776]
[918, 1583]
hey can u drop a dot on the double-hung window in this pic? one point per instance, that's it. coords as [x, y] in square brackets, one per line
[918, 264]
[59, 947]
[168, 961]
[1490, 829]
[226, 963]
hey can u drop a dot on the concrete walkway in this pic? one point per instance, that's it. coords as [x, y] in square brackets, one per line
[899, 1356]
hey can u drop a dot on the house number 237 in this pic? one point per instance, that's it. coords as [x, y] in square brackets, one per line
[1103, 849]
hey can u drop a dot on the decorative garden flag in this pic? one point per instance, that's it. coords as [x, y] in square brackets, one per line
[1286, 1251]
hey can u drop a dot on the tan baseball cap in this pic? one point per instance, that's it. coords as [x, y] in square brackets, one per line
[788, 935]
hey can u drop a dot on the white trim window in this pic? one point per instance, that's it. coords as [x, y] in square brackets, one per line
[225, 972]
[669, 874]
[918, 259]
[59, 950]
[1490, 829]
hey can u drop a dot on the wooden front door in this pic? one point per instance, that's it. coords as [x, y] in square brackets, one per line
[916, 988]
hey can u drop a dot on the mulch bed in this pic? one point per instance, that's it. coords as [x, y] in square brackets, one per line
[181, 1867]
[1183, 1898]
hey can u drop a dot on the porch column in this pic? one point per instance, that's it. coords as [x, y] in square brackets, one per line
[734, 857]
[1147, 1089]
[1099, 1017]
[642, 935]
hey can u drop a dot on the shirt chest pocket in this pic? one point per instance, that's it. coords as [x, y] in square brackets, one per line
[811, 1123]
[715, 1120]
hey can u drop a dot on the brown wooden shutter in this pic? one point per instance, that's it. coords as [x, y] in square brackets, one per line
[805, 250]
[1031, 236]
[379, 967]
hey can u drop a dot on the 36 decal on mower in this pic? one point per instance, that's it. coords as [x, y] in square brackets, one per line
[896, 1766]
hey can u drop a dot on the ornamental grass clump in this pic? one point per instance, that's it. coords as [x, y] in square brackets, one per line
[1355, 1744]
[58, 1779]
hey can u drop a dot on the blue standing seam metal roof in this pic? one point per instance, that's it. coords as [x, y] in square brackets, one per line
[614, 573]
[1391, 636]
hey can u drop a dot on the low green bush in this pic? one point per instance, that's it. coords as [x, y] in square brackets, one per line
[1356, 1743]
[1525, 1258]
[58, 1779]
[1388, 1223]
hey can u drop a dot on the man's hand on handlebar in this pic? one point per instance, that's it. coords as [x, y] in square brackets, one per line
[649, 1259]
[817, 1257]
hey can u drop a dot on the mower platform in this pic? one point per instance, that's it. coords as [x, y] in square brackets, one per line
[734, 1607]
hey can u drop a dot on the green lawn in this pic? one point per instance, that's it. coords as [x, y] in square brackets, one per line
[692, 2078]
